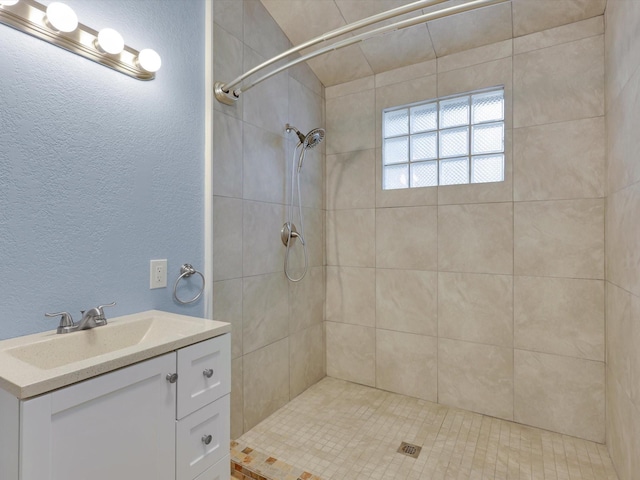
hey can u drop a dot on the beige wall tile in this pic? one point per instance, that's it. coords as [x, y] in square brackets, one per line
[563, 238]
[562, 394]
[227, 307]
[306, 358]
[329, 68]
[399, 48]
[265, 310]
[262, 248]
[227, 156]
[476, 238]
[227, 238]
[228, 56]
[264, 166]
[623, 142]
[351, 180]
[237, 401]
[406, 237]
[313, 235]
[351, 295]
[228, 15]
[560, 160]
[267, 104]
[351, 122]
[395, 351]
[303, 74]
[351, 352]
[406, 301]
[475, 77]
[563, 34]
[476, 308]
[349, 88]
[564, 316]
[265, 382]
[623, 337]
[475, 56]
[623, 425]
[351, 238]
[311, 177]
[622, 44]
[305, 107]
[560, 83]
[476, 377]
[402, 74]
[539, 15]
[623, 238]
[471, 29]
[306, 300]
[261, 32]
[326, 15]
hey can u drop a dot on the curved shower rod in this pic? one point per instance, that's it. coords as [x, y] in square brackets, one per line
[225, 93]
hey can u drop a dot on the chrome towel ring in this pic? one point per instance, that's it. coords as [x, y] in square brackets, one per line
[186, 271]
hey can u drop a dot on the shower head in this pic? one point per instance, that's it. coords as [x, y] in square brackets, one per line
[311, 140]
[314, 138]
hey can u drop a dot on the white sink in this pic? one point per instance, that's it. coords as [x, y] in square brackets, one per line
[69, 348]
[35, 364]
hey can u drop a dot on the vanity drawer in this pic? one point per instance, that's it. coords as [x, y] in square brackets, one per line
[204, 374]
[202, 439]
[220, 471]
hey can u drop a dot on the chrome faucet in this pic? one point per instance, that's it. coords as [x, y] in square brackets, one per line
[94, 317]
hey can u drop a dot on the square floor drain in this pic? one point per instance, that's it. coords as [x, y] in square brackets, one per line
[409, 449]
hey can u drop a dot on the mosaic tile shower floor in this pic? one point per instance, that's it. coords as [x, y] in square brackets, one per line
[337, 430]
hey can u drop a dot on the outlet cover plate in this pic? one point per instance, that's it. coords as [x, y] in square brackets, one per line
[158, 274]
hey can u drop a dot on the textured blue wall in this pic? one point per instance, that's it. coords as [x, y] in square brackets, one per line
[99, 172]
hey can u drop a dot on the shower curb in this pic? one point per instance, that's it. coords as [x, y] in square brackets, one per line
[250, 464]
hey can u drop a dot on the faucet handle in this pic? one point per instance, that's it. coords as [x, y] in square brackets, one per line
[102, 320]
[66, 322]
[112, 304]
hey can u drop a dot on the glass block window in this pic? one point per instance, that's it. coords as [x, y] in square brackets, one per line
[447, 141]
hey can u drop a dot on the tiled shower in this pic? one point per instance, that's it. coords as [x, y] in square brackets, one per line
[517, 299]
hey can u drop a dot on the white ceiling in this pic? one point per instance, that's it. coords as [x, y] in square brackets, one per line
[302, 20]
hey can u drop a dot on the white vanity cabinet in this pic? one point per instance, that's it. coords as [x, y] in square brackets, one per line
[129, 424]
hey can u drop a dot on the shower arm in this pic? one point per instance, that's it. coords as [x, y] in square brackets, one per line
[225, 93]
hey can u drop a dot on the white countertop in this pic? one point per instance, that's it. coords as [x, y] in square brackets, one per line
[35, 364]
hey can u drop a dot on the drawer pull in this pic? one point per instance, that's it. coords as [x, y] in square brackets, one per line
[172, 377]
[207, 439]
[208, 372]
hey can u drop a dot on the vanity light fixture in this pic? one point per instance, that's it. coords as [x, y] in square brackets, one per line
[58, 24]
[61, 17]
[149, 60]
[109, 41]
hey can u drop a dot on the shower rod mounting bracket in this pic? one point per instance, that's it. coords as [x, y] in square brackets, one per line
[228, 98]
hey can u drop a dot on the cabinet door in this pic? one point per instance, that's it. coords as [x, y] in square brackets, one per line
[116, 426]
[204, 373]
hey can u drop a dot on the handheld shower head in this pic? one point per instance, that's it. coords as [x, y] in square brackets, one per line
[314, 138]
[311, 139]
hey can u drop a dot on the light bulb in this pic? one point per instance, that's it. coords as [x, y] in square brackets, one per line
[109, 41]
[8, 3]
[149, 60]
[61, 17]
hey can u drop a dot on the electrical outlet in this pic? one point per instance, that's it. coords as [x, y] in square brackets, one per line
[158, 274]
